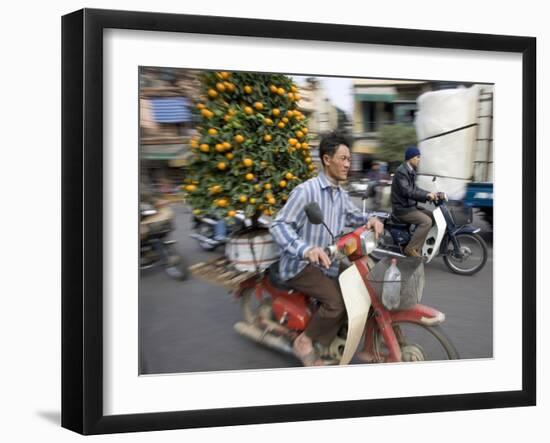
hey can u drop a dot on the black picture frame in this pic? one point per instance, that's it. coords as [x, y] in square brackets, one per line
[82, 219]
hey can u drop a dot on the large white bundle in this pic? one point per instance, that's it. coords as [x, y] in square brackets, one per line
[450, 157]
[252, 251]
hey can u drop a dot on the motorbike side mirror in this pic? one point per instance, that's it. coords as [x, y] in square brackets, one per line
[315, 216]
[314, 213]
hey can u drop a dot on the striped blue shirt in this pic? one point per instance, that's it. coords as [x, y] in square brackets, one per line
[295, 235]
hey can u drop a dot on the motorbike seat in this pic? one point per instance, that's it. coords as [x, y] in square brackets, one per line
[275, 278]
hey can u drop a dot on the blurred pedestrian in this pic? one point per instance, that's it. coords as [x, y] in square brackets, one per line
[376, 173]
[378, 179]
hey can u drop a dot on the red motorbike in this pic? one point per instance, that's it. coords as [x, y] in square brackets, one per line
[274, 314]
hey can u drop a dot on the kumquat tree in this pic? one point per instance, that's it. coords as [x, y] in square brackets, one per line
[252, 148]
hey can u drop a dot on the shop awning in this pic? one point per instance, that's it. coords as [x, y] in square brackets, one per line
[375, 94]
[365, 149]
[170, 109]
[162, 151]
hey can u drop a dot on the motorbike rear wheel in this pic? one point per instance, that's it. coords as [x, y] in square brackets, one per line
[255, 310]
[474, 254]
[417, 342]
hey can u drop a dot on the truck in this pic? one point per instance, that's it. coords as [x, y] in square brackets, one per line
[455, 132]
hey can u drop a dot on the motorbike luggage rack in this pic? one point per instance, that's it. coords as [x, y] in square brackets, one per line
[220, 271]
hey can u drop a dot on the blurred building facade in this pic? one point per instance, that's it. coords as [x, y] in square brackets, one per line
[382, 102]
[166, 123]
[321, 113]
[323, 116]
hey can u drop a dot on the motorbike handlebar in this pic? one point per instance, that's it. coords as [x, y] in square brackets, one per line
[337, 251]
[330, 251]
[440, 197]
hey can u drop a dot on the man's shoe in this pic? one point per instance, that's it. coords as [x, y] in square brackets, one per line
[309, 357]
[410, 252]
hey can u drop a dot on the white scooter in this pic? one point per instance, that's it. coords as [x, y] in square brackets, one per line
[451, 236]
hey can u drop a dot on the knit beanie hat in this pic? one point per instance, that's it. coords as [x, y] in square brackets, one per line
[412, 151]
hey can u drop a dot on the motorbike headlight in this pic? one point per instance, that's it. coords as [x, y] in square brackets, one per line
[350, 246]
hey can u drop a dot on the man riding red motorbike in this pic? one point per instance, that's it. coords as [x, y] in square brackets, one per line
[304, 264]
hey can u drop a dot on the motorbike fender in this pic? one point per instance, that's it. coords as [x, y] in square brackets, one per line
[468, 229]
[357, 301]
[421, 314]
[437, 232]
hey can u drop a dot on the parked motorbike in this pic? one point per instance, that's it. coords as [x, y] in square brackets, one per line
[274, 314]
[451, 236]
[156, 222]
[210, 235]
[378, 188]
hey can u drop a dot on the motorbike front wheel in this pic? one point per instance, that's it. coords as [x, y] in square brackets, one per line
[175, 267]
[178, 272]
[207, 231]
[417, 342]
[472, 256]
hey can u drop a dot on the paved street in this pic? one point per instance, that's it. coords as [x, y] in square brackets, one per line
[188, 326]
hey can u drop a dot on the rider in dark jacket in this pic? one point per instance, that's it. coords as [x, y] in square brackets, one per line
[404, 192]
[404, 197]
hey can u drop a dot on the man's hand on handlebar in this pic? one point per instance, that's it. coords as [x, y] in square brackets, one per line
[317, 255]
[376, 225]
[432, 196]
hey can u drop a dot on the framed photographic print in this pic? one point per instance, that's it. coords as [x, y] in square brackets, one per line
[222, 175]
